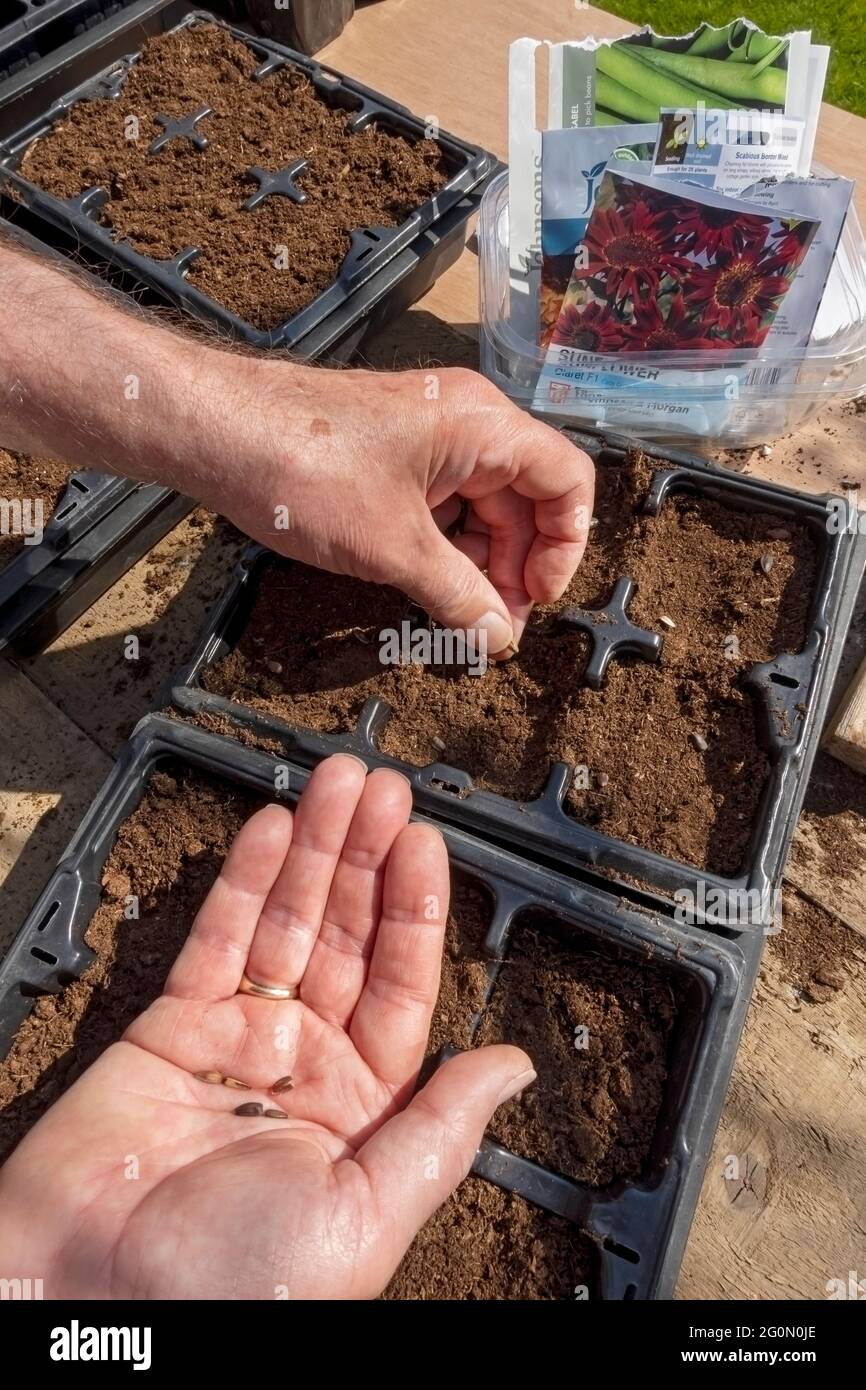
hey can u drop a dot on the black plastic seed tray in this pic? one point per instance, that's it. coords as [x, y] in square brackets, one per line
[30, 30]
[400, 283]
[37, 608]
[31, 89]
[371, 247]
[640, 1226]
[88, 499]
[792, 693]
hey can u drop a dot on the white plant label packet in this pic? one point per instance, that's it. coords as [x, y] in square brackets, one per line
[727, 150]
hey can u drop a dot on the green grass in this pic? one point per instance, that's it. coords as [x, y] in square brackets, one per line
[835, 22]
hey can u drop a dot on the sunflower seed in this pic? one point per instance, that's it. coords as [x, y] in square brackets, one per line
[285, 1083]
[699, 742]
[438, 743]
[779, 533]
[276, 1114]
[235, 1084]
[668, 622]
[602, 778]
[767, 562]
[251, 1109]
[275, 666]
[215, 1078]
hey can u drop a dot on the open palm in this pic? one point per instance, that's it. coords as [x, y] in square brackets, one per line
[142, 1182]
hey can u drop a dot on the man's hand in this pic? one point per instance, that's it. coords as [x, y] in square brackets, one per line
[375, 469]
[142, 1182]
[355, 471]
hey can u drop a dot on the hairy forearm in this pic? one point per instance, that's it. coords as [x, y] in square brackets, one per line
[351, 471]
[99, 386]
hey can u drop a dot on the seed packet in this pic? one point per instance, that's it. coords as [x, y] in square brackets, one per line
[667, 268]
[756, 71]
[678, 266]
[572, 165]
[727, 150]
[632, 78]
[808, 309]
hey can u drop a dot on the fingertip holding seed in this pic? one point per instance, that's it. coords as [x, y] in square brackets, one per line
[250, 1109]
[284, 1083]
[213, 1078]
[236, 1085]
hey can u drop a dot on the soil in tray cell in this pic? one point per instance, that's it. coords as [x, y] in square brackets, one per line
[673, 754]
[310, 654]
[267, 263]
[725, 588]
[598, 1029]
[28, 481]
[485, 1243]
[464, 982]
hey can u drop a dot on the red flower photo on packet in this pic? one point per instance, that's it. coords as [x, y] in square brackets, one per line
[662, 270]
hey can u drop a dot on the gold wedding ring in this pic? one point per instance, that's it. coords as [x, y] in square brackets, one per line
[248, 986]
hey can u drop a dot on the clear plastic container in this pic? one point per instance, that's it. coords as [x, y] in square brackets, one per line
[704, 400]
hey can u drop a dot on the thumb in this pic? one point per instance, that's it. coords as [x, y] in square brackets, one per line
[454, 591]
[414, 1162]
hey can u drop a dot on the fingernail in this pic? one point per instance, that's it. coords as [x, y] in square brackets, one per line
[355, 759]
[516, 1085]
[498, 632]
[392, 772]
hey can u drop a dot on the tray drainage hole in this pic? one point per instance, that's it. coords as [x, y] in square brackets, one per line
[787, 681]
[624, 1251]
[441, 786]
[49, 915]
[45, 956]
